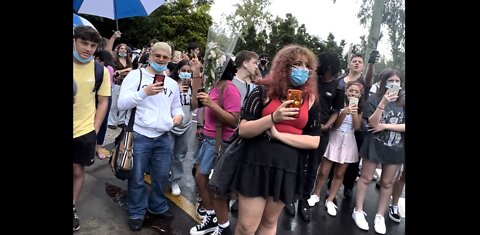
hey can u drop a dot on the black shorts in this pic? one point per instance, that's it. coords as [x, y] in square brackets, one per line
[84, 149]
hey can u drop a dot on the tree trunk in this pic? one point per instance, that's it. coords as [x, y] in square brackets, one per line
[374, 35]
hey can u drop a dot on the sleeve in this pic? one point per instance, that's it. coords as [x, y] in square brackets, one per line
[231, 99]
[105, 89]
[371, 105]
[313, 126]
[129, 97]
[253, 104]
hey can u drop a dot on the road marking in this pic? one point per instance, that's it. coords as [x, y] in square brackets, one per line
[180, 201]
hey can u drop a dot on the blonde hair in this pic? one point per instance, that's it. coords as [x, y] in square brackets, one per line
[162, 46]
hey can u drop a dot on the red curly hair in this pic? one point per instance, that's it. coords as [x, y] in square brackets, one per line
[278, 80]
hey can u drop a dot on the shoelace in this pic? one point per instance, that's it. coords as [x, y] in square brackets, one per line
[204, 223]
[218, 231]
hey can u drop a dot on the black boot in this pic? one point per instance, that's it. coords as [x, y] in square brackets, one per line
[304, 209]
[290, 209]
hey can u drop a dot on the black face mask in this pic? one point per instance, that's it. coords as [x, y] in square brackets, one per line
[263, 62]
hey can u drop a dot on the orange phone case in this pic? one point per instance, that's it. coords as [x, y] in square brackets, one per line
[296, 95]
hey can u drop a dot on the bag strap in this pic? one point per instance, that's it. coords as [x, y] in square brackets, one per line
[132, 112]
[98, 68]
[218, 124]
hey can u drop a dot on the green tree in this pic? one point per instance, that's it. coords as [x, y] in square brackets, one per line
[250, 13]
[394, 20]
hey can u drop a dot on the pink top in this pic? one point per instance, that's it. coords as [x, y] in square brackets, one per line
[231, 103]
[112, 72]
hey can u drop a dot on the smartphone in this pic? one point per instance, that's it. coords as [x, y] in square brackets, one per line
[200, 104]
[395, 88]
[296, 96]
[353, 101]
[159, 78]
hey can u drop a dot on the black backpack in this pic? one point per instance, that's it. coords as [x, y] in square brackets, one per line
[98, 76]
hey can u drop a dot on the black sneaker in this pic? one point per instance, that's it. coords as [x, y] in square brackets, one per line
[208, 225]
[290, 209]
[200, 211]
[76, 222]
[394, 213]
[223, 231]
[167, 215]
[304, 209]
[135, 224]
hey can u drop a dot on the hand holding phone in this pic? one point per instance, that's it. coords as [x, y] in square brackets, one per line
[296, 96]
[159, 78]
[353, 101]
[394, 88]
[200, 104]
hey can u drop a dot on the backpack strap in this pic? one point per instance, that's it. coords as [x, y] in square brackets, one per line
[98, 76]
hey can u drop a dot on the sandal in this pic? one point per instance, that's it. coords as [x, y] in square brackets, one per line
[102, 153]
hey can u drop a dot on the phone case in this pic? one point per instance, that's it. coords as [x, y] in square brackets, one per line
[159, 78]
[295, 95]
[395, 88]
[353, 101]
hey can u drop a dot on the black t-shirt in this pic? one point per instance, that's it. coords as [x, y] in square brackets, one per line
[329, 96]
[144, 58]
[264, 72]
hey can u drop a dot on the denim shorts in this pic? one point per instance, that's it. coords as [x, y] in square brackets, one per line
[205, 155]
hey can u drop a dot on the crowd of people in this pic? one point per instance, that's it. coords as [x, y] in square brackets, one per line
[337, 128]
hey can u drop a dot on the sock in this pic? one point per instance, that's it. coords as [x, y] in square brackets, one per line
[224, 225]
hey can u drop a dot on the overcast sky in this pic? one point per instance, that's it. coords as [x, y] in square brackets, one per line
[319, 16]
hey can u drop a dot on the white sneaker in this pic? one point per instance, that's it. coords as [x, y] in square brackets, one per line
[176, 190]
[331, 208]
[380, 224]
[359, 218]
[314, 199]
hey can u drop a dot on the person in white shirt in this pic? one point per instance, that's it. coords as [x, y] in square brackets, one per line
[158, 110]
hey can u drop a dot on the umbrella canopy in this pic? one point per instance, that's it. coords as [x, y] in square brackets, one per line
[78, 20]
[116, 9]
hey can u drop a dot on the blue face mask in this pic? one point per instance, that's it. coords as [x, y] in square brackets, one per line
[298, 76]
[184, 75]
[122, 55]
[80, 59]
[158, 68]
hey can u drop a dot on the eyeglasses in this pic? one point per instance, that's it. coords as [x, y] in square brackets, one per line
[165, 57]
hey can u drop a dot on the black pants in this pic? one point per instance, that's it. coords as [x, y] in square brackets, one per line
[352, 170]
[311, 165]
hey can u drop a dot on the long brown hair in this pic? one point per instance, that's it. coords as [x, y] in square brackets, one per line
[278, 80]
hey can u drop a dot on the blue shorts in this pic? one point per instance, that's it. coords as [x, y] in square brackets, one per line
[205, 155]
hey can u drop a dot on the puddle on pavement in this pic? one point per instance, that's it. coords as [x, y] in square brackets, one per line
[119, 196]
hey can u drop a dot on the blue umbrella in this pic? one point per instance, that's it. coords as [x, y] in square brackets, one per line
[116, 9]
[78, 20]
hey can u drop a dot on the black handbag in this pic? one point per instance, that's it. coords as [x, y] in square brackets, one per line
[121, 158]
[226, 166]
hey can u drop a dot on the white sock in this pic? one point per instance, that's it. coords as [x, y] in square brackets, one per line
[224, 225]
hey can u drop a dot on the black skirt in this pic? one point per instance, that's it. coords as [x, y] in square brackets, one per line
[269, 169]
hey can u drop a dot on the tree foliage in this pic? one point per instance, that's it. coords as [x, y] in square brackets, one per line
[394, 20]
